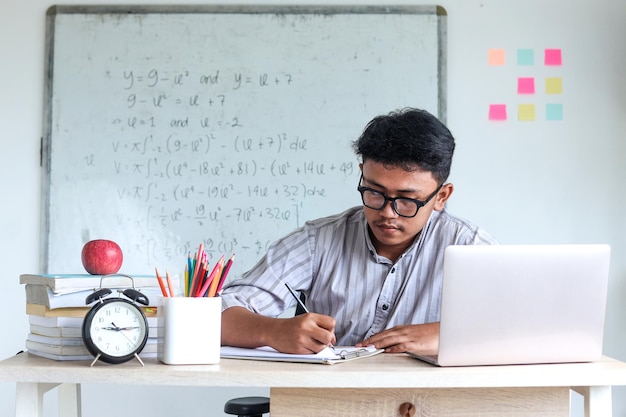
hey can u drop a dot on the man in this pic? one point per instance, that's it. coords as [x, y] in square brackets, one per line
[372, 274]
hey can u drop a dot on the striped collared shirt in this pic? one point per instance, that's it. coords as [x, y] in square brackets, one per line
[333, 261]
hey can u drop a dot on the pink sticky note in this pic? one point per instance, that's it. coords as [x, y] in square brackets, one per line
[553, 57]
[526, 85]
[497, 112]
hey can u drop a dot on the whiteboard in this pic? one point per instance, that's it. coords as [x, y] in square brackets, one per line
[171, 126]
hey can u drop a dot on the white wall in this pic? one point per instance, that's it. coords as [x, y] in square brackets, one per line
[532, 182]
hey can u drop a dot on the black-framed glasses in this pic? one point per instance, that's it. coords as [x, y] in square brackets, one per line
[403, 206]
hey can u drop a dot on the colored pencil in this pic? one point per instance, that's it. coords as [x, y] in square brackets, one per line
[229, 264]
[169, 284]
[163, 290]
[205, 288]
[216, 279]
[188, 268]
[204, 274]
[194, 280]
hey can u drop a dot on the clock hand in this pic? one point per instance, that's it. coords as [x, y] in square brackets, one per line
[124, 328]
[114, 327]
[117, 329]
[127, 338]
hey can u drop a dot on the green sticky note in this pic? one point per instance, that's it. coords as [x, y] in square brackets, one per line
[554, 111]
[525, 57]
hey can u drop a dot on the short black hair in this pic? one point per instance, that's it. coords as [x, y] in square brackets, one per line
[411, 139]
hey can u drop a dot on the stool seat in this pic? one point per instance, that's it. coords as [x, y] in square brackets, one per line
[247, 406]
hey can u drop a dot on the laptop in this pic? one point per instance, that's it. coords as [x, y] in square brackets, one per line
[522, 304]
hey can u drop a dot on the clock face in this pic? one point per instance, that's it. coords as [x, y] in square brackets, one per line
[116, 329]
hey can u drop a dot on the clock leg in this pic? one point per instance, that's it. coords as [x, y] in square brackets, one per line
[139, 359]
[95, 359]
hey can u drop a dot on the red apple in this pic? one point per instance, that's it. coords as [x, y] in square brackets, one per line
[102, 257]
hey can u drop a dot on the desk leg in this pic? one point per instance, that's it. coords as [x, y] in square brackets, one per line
[29, 399]
[69, 400]
[598, 400]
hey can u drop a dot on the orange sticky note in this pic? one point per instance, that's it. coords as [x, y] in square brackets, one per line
[553, 57]
[526, 85]
[496, 57]
[526, 112]
[497, 112]
[554, 85]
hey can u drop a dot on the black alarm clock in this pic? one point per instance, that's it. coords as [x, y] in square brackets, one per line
[115, 329]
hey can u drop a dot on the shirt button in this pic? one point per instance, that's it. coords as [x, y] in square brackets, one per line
[385, 307]
[393, 270]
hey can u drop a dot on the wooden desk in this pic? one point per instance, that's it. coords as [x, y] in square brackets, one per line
[370, 387]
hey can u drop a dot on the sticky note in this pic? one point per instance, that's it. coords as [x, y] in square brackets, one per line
[526, 112]
[526, 85]
[497, 112]
[552, 57]
[496, 57]
[554, 85]
[525, 57]
[554, 111]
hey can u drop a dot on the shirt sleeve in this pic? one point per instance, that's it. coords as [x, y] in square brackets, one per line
[477, 236]
[457, 231]
[262, 289]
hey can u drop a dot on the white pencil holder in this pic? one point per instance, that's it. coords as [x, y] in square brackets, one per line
[191, 330]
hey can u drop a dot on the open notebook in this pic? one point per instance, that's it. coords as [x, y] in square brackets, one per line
[522, 304]
[328, 356]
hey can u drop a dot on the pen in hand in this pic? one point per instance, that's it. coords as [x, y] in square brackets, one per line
[300, 303]
[302, 306]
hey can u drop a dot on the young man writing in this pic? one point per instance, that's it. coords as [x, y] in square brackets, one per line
[372, 274]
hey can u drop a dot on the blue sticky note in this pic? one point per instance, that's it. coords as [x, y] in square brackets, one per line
[554, 111]
[525, 57]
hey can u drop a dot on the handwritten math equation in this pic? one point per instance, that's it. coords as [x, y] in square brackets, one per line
[203, 167]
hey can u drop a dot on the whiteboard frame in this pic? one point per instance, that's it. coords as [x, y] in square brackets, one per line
[46, 141]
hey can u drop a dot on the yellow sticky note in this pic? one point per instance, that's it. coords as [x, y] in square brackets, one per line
[526, 112]
[554, 85]
[496, 57]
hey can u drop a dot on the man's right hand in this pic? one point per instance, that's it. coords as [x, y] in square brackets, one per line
[304, 334]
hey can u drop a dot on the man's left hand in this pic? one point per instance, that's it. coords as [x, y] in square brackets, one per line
[418, 338]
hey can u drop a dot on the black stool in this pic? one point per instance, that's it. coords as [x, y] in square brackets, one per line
[248, 406]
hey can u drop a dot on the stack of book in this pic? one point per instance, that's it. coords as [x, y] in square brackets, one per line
[55, 305]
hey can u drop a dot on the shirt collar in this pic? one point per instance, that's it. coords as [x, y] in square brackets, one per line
[417, 242]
